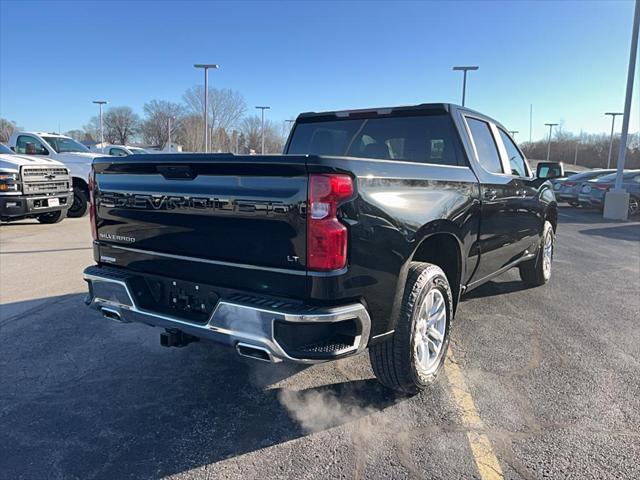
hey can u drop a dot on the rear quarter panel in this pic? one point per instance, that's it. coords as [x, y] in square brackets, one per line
[398, 205]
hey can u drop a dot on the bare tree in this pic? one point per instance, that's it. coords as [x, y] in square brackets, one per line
[77, 135]
[6, 129]
[252, 133]
[161, 115]
[92, 129]
[226, 108]
[121, 124]
[593, 149]
[191, 134]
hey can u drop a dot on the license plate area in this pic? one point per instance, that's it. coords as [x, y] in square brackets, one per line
[54, 202]
[175, 298]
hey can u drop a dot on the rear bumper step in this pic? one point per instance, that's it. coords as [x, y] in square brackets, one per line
[264, 329]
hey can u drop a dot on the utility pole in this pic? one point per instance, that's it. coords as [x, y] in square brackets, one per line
[513, 133]
[169, 141]
[206, 67]
[575, 157]
[616, 201]
[550, 125]
[100, 103]
[236, 135]
[530, 120]
[262, 111]
[465, 69]
[613, 121]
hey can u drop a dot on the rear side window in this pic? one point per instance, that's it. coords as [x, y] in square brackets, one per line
[485, 145]
[422, 139]
[516, 160]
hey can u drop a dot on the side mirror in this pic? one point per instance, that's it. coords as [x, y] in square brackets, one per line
[13, 149]
[549, 170]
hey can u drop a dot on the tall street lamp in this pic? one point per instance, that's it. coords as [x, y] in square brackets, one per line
[513, 133]
[263, 109]
[464, 81]
[169, 119]
[616, 201]
[206, 67]
[100, 103]
[550, 125]
[613, 121]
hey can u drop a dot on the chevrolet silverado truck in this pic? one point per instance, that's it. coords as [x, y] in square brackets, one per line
[65, 149]
[33, 188]
[364, 234]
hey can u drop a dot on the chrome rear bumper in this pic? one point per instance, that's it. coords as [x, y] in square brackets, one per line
[241, 325]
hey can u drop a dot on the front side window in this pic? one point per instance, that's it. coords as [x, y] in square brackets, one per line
[117, 152]
[485, 145]
[65, 145]
[516, 160]
[30, 146]
[422, 139]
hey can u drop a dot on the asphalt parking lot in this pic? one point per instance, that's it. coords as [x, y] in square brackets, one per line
[552, 374]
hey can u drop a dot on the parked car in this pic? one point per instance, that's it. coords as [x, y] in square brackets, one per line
[568, 189]
[365, 234]
[74, 155]
[120, 150]
[592, 192]
[33, 188]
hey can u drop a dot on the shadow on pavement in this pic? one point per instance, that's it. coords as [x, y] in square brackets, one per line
[83, 397]
[586, 215]
[623, 232]
[493, 288]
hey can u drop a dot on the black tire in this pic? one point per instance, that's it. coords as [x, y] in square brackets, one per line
[533, 272]
[80, 203]
[52, 217]
[574, 204]
[634, 206]
[394, 360]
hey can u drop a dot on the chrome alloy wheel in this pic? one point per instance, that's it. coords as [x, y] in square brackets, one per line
[430, 331]
[547, 254]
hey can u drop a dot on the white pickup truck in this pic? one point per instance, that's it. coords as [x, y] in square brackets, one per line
[33, 187]
[65, 149]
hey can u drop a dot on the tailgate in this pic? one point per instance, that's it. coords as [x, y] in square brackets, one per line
[233, 221]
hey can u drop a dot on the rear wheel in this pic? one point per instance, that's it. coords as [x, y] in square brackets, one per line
[80, 203]
[52, 217]
[574, 204]
[537, 272]
[634, 206]
[412, 358]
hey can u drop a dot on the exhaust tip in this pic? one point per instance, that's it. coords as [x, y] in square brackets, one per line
[111, 314]
[251, 351]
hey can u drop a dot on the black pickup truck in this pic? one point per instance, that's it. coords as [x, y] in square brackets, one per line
[364, 234]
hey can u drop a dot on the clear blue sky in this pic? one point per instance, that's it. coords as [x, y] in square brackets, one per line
[569, 59]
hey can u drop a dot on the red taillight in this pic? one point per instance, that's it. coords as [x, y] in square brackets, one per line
[92, 205]
[568, 184]
[602, 186]
[326, 236]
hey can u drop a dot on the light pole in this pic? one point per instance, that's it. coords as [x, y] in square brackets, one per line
[169, 141]
[206, 67]
[263, 109]
[613, 121]
[616, 201]
[550, 125]
[513, 133]
[530, 120]
[100, 103]
[464, 81]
